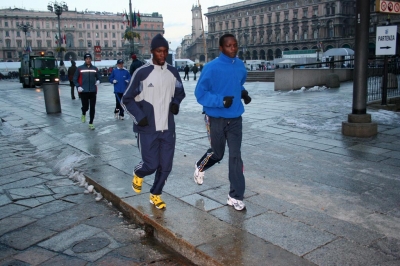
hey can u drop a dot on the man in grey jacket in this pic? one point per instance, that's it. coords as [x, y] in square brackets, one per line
[86, 79]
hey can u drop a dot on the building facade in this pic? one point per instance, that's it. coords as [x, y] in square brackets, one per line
[80, 32]
[266, 28]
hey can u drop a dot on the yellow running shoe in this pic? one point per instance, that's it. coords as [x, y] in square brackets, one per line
[137, 183]
[157, 201]
[83, 118]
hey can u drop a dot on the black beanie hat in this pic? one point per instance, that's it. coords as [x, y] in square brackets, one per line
[87, 55]
[158, 41]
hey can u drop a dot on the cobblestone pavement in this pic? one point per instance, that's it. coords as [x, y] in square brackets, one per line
[46, 218]
[313, 196]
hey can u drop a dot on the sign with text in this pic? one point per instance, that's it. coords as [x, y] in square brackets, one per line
[97, 53]
[386, 37]
[390, 7]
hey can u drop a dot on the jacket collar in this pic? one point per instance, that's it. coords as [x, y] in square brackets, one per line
[226, 59]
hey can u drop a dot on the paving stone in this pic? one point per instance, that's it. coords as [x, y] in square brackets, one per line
[35, 255]
[4, 200]
[335, 226]
[10, 209]
[16, 176]
[13, 222]
[34, 202]
[291, 235]
[29, 192]
[28, 182]
[64, 260]
[26, 236]
[388, 245]
[201, 202]
[48, 208]
[343, 252]
[14, 262]
[6, 252]
[16, 169]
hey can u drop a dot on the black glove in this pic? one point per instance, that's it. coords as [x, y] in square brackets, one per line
[174, 108]
[246, 97]
[228, 101]
[143, 122]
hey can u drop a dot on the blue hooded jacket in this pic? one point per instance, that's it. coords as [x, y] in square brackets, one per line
[121, 75]
[224, 76]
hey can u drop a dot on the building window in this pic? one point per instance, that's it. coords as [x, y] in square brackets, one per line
[333, 10]
[269, 19]
[80, 34]
[113, 27]
[277, 17]
[105, 27]
[97, 35]
[316, 12]
[18, 34]
[5, 23]
[114, 44]
[48, 43]
[79, 26]
[97, 27]
[38, 34]
[305, 35]
[330, 30]
[9, 55]
[8, 43]
[106, 44]
[113, 34]
[254, 21]
[89, 43]
[287, 37]
[286, 16]
[47, 34]
[47, 25]
[88, 35]
[97, 43]
[233, 24]
[88, 26]
[19, 43]
[39, 44]
[278, 38]
[295, 14]
[315, 33]
[7, 33]
[105, 35]
[296, 36]
[81, 43]
[29, 43]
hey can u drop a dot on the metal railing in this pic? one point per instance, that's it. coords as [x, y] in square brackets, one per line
[376, 73]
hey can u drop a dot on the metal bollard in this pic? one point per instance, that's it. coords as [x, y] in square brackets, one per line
[51, 98]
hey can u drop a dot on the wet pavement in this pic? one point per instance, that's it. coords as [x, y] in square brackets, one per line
[313, 196]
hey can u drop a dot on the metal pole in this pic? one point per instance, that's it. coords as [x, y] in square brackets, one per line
[385, 81]
[132, 44]
[361, 58]
[59, 31]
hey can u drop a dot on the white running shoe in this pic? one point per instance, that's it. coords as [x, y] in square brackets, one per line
[237, 204]
[198, 176]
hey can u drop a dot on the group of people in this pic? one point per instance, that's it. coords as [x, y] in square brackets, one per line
[195, 69]
[152, 94]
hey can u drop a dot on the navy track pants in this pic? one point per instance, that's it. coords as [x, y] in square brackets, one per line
[157, 150]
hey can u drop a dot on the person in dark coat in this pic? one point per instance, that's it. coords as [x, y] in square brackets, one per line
[195, 69]
[135, 64]
[71, 72]
[186, 69]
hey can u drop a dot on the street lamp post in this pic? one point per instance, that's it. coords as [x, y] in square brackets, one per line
[25, 28]
[58, 8]
[245, 35]
[318, 43]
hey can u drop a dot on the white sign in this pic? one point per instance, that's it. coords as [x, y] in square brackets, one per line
[386, 40]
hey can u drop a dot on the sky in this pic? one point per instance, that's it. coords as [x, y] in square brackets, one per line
[176, 14]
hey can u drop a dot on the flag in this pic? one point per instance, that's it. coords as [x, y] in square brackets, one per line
[127, 18]
[56, 39]
[124, 18]
[134, 19]
[65, 39]
[28, 49]
[139, 21]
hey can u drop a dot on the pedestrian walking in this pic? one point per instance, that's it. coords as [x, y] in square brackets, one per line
[71, 72]
[62, 70]
[86, 79]
[220, 90]
[152, 99]
[186, 69]
[195, 69]
[120, 77]
[135, 64]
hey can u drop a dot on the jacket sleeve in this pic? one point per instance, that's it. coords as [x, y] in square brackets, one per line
[128, 99]
[76, 76]
[98, 76]
[111, 77]
[179, 94]
[203, 91]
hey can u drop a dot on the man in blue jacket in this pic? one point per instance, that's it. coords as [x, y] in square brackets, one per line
[86, 79]
[223, 108]
[152, 100]
[120, 77]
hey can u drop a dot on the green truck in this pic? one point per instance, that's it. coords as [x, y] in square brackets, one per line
[37, 69]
